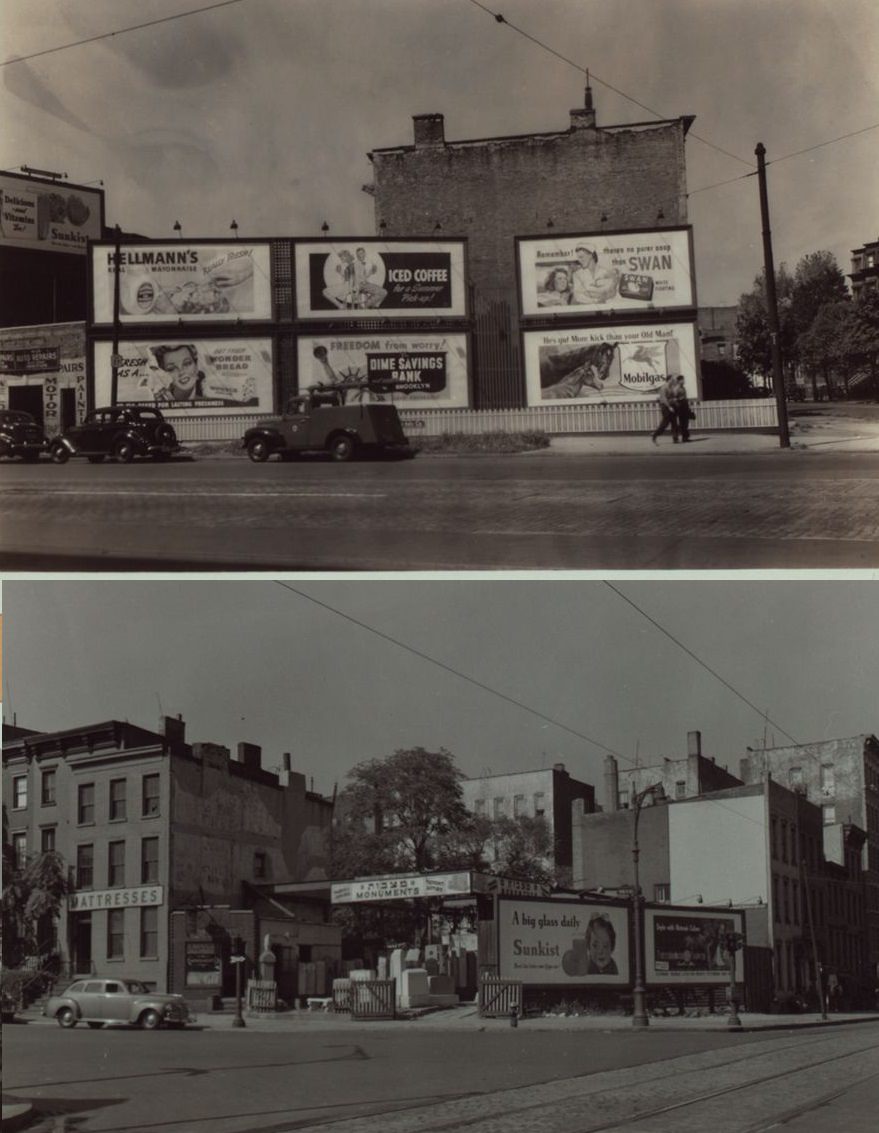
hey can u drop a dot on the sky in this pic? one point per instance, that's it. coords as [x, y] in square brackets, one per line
[264, 110]
[583, 671]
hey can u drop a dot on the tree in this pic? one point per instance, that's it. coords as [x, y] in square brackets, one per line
[865, 335]
[752, 324]
[818, 282]
[32, 897]
[826, 348]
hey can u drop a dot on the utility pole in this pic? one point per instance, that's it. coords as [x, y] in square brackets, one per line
[819, 975]
[114, 360]
[772, 302]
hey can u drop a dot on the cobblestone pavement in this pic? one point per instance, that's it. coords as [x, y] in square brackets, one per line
[568, 512]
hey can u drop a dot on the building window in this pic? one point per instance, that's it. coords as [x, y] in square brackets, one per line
[518, 806]
[662, 892]
[498, 808]
[19, 849]
[19, 792]
[85, 866]
[149, 861]
[784, 841]
[776, 910]
[115, 934]
[827, 779]
[48, 788]
[539, 804]
[118, 807]
[47, 840]
[479, 806]
[150, 796]
[115, 864]
[681, 789]
[796, 781]
[260, 864]
[149, 931]
[774, 828]
[828, 814]
[85, 809]
[786, 886]
[623, 800]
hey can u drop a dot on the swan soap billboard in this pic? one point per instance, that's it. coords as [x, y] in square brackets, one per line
[604, 364]
[602, 272]
[563, 942]
[182, 282]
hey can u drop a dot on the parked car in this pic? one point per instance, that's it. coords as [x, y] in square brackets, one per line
[120, 431]
[20, 435]
[320, 421]
[97, 1002]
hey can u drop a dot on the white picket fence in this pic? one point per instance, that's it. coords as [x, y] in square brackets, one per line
[556, 420]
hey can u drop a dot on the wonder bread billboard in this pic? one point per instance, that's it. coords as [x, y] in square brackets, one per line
[361, 278]
[601, 364]
[597, 273]
[689, 945]
[563, 942]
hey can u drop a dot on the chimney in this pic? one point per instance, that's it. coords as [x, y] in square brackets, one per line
[560, 768]
[250, 755]
[584, 117]
[429, 129]
[694, 743]
[611, 783]
[286, 761]
[174, 730]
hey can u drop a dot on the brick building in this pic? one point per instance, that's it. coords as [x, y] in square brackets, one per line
[865, 268]
[157, 830]
[681, 777]
[585, 178]
[547, 793]
[842, 778]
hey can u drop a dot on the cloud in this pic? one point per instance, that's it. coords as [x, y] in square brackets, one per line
[22, 82]
[172, 58]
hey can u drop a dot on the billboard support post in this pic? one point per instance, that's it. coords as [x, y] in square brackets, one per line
[733, 944]
[639, 1012]
[114, 361]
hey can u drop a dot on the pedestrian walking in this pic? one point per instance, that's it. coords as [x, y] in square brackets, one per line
[682, 408]
[668, 393]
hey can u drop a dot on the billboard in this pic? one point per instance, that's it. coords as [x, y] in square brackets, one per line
[688, 946]
[608, 364]
[199, 375]
[51, 216]
[563, 942]
[425, 370]
[189, 282]
[601, 272]
[354, 279]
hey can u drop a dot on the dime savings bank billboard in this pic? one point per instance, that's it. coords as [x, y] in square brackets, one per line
[424, 370]
[608, 364]
[602, 272]
[560, 942]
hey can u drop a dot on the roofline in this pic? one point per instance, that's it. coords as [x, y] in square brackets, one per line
[686, 119]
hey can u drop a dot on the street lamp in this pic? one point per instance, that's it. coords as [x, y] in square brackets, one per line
[639, 1013]
[238, 961]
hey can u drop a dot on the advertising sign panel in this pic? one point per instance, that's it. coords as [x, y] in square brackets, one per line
[353, 279]
[563, 942]
[167, 283]
[201, 375]
[51, 356]
[204, 965]
[599, 272]
[688, 945]
[608, 364]
[50, 216]
[401, 886]
[428, 370]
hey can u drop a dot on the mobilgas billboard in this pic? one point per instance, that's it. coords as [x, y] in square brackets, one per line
[355, 279]
[563, 942]
[423, 369]
[182, 282]
[601, 272]
[51, 216]
[608, 364]
[197, 375]
[689, 945]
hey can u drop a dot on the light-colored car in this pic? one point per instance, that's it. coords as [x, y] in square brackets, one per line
[97, 1002]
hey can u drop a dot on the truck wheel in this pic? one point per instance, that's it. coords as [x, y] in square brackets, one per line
[258, 450]
[342, 447]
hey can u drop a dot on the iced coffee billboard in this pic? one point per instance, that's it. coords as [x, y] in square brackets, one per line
[182, 282]
[600, 273]
[193, 375]
[600, 364]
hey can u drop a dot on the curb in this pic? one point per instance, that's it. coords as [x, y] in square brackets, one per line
[16, 1115]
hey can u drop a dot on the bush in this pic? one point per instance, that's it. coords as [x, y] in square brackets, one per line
[501, 442]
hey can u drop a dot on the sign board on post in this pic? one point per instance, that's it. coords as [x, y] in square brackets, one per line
[689, 945]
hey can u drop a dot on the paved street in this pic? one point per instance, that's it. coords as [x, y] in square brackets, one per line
[397, 1078]
[658, 509]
